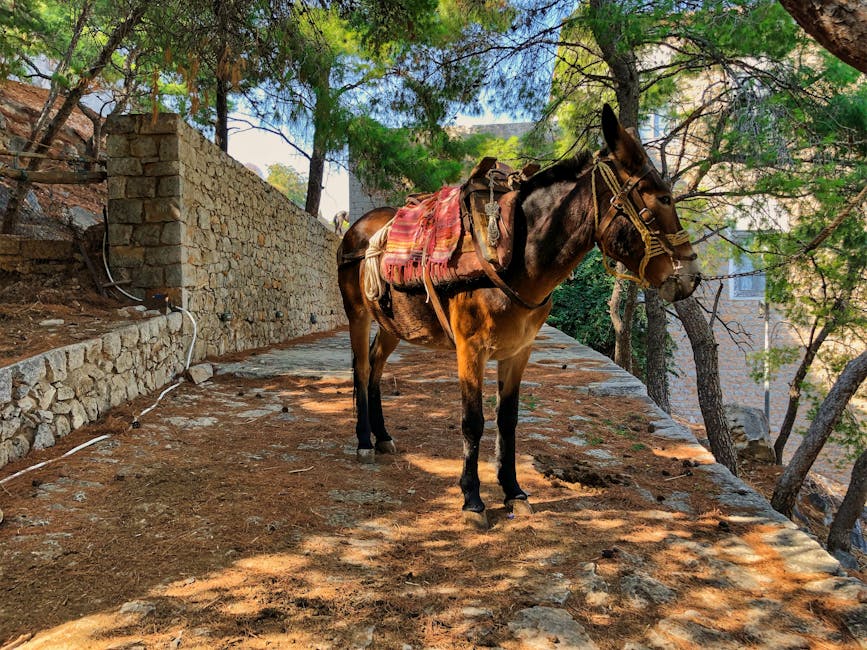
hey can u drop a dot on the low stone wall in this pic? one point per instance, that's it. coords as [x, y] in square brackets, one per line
[186, 218]
[47, 396]
[35, 256]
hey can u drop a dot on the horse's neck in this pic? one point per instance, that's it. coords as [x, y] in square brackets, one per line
[560, 231]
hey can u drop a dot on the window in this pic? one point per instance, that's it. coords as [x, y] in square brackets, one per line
[746, 287]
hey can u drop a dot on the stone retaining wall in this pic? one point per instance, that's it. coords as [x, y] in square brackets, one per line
[23, 255]
[185, 217]
[47, 396]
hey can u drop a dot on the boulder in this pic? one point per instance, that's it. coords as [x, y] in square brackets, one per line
[749, 428]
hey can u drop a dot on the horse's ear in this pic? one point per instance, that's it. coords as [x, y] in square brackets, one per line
[621, 142]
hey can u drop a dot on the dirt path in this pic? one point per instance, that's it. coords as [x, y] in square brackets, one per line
[237, 517]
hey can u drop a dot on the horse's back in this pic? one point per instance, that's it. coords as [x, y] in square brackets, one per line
[358, 236]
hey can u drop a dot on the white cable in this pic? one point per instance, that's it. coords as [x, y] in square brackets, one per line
[108, 272]
[48, 462]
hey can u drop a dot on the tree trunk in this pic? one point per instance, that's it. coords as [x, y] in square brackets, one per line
[221, 128]
[623, 324]
[839, 25]
[314, 179]
[120, 32]
[789, 483]
[851, 508]
[795, 392]
[704, 350]
[657, 333]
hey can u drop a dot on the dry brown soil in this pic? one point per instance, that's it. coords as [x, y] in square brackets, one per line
[263, 531]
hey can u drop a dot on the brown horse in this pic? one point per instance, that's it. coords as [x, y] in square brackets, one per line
[616, 200]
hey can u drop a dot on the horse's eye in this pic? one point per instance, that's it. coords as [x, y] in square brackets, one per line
[665, 199]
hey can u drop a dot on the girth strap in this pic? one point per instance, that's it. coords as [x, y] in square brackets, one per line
[494, 277]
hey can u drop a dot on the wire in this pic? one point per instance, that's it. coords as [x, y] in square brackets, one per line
[52, 460]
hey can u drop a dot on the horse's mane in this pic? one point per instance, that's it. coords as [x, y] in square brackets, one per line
[567, 169]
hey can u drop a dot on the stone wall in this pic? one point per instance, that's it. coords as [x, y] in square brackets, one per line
[188, 220]
[47, 396]
[35, 256]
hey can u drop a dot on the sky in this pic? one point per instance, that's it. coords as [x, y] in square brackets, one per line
[259, 148]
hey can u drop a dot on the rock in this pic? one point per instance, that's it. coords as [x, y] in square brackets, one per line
[642, 590]
[44, 437]
[548, 628]
[141, 607]
[82, 219]
[51, 322]
[362, 638]
[749, 428]
[200, 373]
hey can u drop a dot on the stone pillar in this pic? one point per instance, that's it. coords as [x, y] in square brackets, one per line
[146, 229]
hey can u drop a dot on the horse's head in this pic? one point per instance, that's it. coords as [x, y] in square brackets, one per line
[637, 222]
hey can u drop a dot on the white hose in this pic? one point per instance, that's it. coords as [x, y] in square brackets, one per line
[48, 462]
[108, 272]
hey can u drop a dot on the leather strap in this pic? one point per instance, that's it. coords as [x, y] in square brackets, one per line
[437, 305]
[494, 277]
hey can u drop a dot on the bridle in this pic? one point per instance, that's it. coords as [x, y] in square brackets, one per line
[626, 201]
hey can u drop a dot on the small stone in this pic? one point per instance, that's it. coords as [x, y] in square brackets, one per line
[141, 607]
[547, 628]
[51, 322]
[200, 373]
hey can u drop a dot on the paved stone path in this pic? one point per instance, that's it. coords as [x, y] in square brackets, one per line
[547, 627]
[736, 563]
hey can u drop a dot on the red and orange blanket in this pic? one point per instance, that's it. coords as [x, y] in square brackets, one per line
[424, 234]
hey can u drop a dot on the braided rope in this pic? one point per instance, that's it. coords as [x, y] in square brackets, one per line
[371, 275]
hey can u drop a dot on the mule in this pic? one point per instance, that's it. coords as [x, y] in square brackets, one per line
[615, 200]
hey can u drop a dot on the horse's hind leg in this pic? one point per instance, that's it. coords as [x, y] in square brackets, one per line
[359, 336]
[383, 345]
[509, 373]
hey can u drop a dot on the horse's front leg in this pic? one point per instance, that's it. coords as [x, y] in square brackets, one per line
[471, 368]
[383, 345]
[509, 373]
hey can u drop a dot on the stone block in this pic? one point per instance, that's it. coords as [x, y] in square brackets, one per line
[174, 322]
[147, 234]
[47, 398]
[17, 447]
[172, 233]
[127, 256]
[27, 404]
[75, 356]
[41, 249]
[151, 277]
[93, 352]
[29, 372]
[117, 187]
[177, 274]
[165, 123]
[111, 344]
[141, 187]
[64, 393]
[170, 186]
[117, 147]
[163, 168]
[144, 146]
[61, 426]
[121, 124]
[83, 386]
[125, 211]
[123, 167]
[162, 210]
[78, 416]
[124, 361]
[749, 429]
[119, 234]
[165, 255]
[129, 337]
[44, 437]
[91, 407]
[10, 244]
[169, 149]
[5, 385]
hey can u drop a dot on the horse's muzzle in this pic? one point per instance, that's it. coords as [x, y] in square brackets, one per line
[680, 285]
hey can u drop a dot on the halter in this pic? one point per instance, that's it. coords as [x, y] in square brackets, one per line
[624, 201]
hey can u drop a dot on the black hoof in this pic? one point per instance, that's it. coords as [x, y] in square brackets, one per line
[386, 447]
